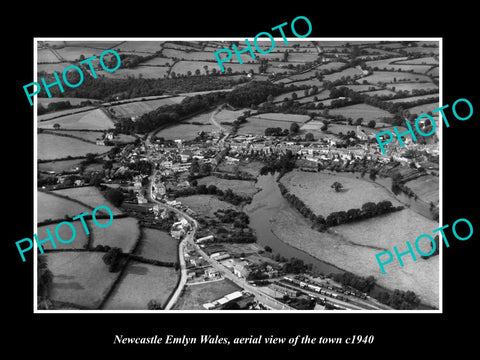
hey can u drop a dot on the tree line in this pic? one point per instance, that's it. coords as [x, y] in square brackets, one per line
[368, 210]
[228, 195]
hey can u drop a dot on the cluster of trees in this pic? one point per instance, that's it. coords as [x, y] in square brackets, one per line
[296, 266]
[114, 259]
[238, 218]
[398, 186]
[368, 210]
[282, 164]
[239, 235]
[115, 196]
[254, 92]
[357, 282]
[60, 105]
[276, 131]
[228, 195]
[400, 300]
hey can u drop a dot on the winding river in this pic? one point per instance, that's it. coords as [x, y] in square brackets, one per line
[267, 202]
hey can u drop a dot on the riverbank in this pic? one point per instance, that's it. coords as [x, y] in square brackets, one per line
[281, 227]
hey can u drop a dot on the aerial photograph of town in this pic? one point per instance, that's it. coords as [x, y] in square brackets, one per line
[258, 188]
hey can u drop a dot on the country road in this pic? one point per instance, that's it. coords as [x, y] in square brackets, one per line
[266, 299]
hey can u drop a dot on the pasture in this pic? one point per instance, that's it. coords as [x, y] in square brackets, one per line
[367, 112]
[86, 135]
[315, 191]
[141, 47]
[158, 245]
[53, 207]
[122, 233]
[411, 86]
[423, 109]
[258, 126]
[89, 195]
[205, 205]
[426, 187]
[391, 76]
[352, 72]
[412, 98]
[55, 147]
[279, 117]
[73, 101]
[95, 119]
[240, 187]
[429, 60]
[59, 166]
[184, 131]
[65, 233]
[345, 253]
[79, 278]
[141, 283]
[138, 108]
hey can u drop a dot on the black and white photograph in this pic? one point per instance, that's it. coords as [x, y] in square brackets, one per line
[270, 185]
[209, 180]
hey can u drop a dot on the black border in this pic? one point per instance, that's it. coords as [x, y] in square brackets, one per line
[88, 333]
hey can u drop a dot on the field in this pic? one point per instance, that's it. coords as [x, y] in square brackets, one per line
[429, 60]
[54, 207]
[73, 101]
[205, 204]
[389, 76]
[138, 108]
[412, 98]
[87, 135]
[253, 167]
[426, 187]
[158, 245]
[368, 112]
[65, 232]
[257, 126]
[420, 277]
[423, 109]
[87, 120]
[315, 191]
[59, 166]
[73, 53]
[279, 117]
[193, 55]
[146, 72]
[80, 278]
[182, 67]
[122, 233]
[146, 47]
[58, 114]
[412, 85]
[352, 72]
[141, 283]
[195, 296]
[91, 196]
[422, 50]
[324, 94]
[240, 187]
[184, 131]
[396, 64]
[226, 115]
